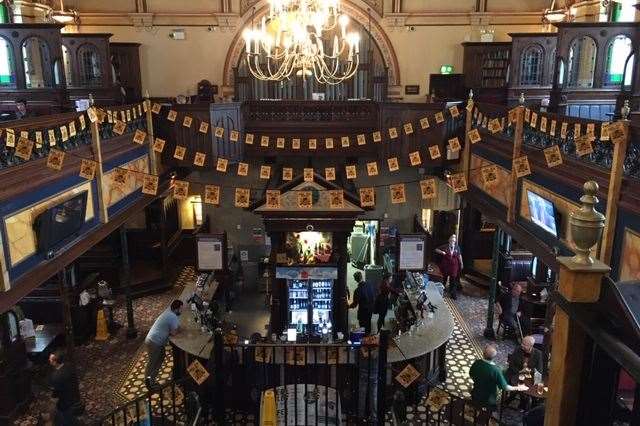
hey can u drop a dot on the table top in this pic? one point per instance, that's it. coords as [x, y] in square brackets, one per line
[45, 335]
[190, 337]
[428, 337]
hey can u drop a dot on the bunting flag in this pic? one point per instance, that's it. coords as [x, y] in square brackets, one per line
[393, 133]
[118, 128]
[248, 139]
[65, 136]
[295, 143]
[439, 117]
[414, 158]
[204, 128]
[552, 129]
[313, 144]
[242, 198]
[179, 152]
[219, 133]
[150, 185]
[407, 376]
[120, 177]
[408, 128]
[172, 115]
[361, 139]
[158, 145]
[367, 197]
[305, 199]
[287, 174]
[434, 152]
[243, 169]
[494, 126]
[328, 143]
[139, 137]
[376, 136]
[307, 174]
[553, 156]
[345, 142]
[424, 123]
[351, 172]
[489, 175]
[454, 144]
[38, 139]
[234, 135]
[198, 373]
[91, 113]
[330, 173]
[453, 110]
[50, 133]
[534, 119]
[393, 164]
[398, 195]
[336, 199]
[372, 168]
[577, 130]
[212, 194]
[221, 165]
[583, 145]
[521, 166]
[458, 182]
[199, 158]
[280, 143]
[543, 124]
[617, 132]
[187, 121]
[563, 130]
[180, 189]
[273, 199]
[265, 172]
[264, 141]
[24, 149]
[604, 131]
[72, 129]
[155, 108]
[428, 188]
[88, 169]
[474, 136]
[55, 159]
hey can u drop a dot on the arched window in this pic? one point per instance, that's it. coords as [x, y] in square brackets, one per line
[618, 50]
[582, 62]
[628, 73]
[68, 66]
[560, 78]
[90, 68]
[7, 64]
[35, 55]
[531, 66]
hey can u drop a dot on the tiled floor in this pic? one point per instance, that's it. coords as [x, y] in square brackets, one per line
[112, 372]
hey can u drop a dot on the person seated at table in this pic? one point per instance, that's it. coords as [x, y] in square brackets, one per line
[487, 378]
[525, 356]
[509, 309]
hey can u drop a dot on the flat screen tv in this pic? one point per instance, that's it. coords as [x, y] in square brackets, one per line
[543, 213]
[58, 223]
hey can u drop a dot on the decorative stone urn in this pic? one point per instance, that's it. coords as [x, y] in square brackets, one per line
[587, 225]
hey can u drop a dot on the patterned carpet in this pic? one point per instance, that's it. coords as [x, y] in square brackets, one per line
[113, 372]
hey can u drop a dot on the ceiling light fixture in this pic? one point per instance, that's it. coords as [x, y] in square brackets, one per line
[63, 16]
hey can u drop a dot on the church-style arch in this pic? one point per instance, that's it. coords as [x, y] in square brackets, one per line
[354, 11]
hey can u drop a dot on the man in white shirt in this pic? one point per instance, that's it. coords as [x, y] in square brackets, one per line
[167, 324]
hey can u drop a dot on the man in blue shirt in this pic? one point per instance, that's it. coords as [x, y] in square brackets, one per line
[166, 325]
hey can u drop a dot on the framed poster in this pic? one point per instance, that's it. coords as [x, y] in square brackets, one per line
[411, 256]
[211, 252]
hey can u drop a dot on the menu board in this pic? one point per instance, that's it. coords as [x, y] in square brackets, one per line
[210, 253]
[411, 253]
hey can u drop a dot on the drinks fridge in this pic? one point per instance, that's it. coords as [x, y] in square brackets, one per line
[310, 304]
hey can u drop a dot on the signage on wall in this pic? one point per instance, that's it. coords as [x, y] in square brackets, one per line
[413, 89]
[411, 253]
[210, 253]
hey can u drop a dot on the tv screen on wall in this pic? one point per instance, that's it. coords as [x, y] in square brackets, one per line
[60, 222]
[543, 213]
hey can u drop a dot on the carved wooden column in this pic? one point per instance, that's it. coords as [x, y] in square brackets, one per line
[340, 301]
[579, 282]
[67, 321]
[103, 214]
[125, 280]
[517, 149]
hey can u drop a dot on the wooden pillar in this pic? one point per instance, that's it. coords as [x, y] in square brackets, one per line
[517, 150]
[613, 197]
[103, 214]
[577, 284]
[153, 156]
[489, 332]
[125, 280]
[466, 155]
[277, 320]
[340, 302]
[65, 297]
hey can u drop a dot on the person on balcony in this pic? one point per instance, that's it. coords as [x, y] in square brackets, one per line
[451, 265]
[166, 325]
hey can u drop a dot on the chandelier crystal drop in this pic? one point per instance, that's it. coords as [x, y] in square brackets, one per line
[290, 40]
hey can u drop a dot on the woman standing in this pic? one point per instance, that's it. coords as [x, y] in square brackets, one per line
[451, 265]
[382, 303]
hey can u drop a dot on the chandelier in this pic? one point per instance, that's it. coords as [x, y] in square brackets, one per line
[291, 40]
[62, 16]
